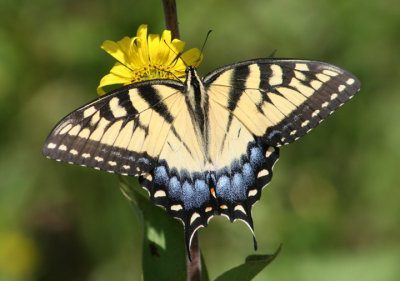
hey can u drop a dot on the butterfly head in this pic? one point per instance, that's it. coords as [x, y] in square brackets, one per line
[190, 69]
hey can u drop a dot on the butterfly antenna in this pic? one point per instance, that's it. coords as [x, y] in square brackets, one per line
[204, 44]
[178, 56]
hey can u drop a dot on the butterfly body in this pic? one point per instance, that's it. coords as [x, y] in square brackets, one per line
[207, 146]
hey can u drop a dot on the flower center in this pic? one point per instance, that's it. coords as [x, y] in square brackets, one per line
[150, 72]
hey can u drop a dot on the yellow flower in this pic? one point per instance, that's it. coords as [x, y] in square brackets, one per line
[147, 57]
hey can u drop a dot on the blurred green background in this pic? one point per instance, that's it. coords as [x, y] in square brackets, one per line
[334, 201]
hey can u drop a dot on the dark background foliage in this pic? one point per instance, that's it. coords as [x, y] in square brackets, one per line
[333, 201]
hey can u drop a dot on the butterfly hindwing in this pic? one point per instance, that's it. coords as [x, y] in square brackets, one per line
[230, 189]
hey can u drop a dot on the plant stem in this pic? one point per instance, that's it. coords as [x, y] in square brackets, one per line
[171, 17]
[193, 268]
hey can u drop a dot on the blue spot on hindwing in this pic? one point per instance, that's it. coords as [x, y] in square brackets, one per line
[188, 196]
[174, 189]
[144, 160]
[161, 176]
[223, 188]
[202, 192]
[233, 183]
[256, 157]
[238, 187]
[248, 174]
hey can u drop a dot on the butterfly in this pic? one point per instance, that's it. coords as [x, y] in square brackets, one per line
[206, 146]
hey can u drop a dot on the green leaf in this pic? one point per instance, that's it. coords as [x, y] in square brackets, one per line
[247, 271]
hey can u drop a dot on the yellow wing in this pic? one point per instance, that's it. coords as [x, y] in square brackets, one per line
[127, 131]
[280, 100]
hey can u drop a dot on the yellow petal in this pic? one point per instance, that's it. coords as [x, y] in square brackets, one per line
[121, 70]
[178, 45]
[142, 31]
[114, 50]
[134, 59]
[164, 48]
[192, 57]
[176, 49]
[111, 79]
[154, 43]
[141, 41]
[100, 91]
[128, 46]
[125, 44]
[166, 36]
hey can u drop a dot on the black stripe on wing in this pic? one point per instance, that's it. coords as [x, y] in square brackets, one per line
[107, 133]
[294, 96]
[328, 87]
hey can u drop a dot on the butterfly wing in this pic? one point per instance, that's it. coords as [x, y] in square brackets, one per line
[280, 100]
[122, 132]
[144, 130]
[256, 106]
[242, 165]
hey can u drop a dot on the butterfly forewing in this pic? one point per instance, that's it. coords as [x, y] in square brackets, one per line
[122, 132]
[280, 100]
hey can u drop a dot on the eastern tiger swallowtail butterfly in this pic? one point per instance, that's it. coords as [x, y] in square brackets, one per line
[207, 146]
